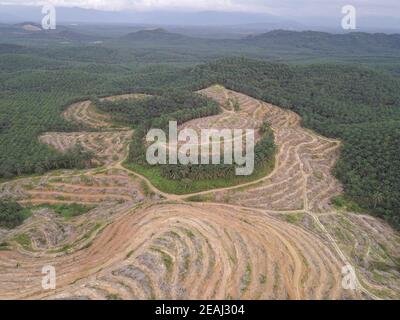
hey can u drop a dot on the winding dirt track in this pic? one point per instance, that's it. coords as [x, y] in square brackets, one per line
[238, 245]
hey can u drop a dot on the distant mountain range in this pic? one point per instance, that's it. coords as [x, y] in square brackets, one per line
[323, 40]
[157, 34]
[238, 21]
[161, 45]
[311, 41]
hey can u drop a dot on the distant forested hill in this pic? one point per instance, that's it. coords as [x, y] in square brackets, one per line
[160, 45]
[355, 43]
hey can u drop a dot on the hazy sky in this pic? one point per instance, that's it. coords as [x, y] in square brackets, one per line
[278, 7]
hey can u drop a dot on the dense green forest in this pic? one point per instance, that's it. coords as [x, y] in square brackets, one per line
[158, 108]
[358, 104]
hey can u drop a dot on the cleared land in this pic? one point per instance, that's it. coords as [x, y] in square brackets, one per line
[189, 251]
[279, 237]
[302, 178]
[106, 147]
[248, 115]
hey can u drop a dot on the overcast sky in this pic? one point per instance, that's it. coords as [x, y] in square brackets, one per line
[277, 7]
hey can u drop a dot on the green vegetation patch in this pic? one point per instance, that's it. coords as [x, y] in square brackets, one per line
[200, 198]
[344, 203]
[25, 241]
[113, 296]
[294, 218]
[69, 211]
[154, 174]
[12, 214]
[146, 189]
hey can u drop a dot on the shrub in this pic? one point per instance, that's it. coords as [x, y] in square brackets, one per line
[11, 214]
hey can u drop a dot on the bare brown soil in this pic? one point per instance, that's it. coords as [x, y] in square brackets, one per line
[84, 113]
[109, 187]
[371, 245]
[250, 115]
[302, 179]
[107, 147]
[188, 252]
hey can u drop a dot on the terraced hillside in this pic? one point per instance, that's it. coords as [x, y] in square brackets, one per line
[246, 116]
[302, 178]
[276, 238]
[107, 147]
[194, 251]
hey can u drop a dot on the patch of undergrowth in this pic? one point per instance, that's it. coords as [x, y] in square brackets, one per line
[200, 198]
[12, 214]
[113, 296]
[24, 240]
[69, 211]
[166, 258]
[263, 279]
[294, 218]
[384, 266]
[146, 189]
[343, 203]
[246, 279]
[129, 254]
[96, 228]
[4, 246]
[62, 249]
